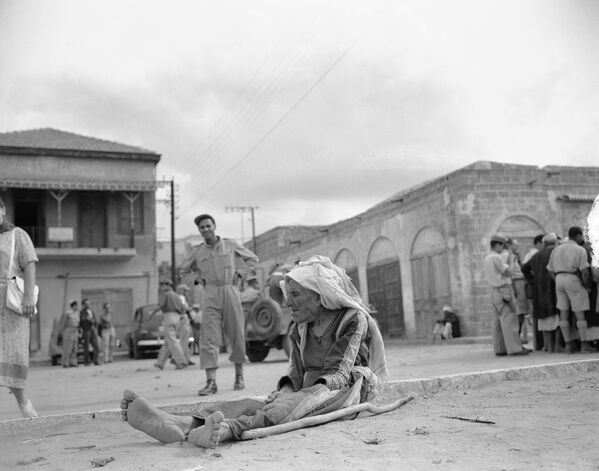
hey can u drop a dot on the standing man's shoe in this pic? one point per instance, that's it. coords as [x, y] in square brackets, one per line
[210, 388]
[524, 351]
[239, 384]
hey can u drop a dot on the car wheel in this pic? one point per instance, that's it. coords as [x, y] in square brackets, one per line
[265, 317]
[137, 353]
[256, 351]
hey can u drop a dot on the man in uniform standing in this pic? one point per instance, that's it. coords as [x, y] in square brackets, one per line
[217, 264]
[570, 266]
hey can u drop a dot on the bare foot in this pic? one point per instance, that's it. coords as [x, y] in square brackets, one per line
[164, 427]
[212, 432]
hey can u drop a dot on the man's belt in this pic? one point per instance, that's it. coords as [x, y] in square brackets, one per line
[566, 272]
[216, 283]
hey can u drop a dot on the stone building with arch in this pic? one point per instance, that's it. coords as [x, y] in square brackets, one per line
[423, 247]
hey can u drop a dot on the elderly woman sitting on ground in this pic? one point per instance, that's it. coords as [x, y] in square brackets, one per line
[337, 360]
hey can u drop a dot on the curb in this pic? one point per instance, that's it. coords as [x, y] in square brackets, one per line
[416, 387]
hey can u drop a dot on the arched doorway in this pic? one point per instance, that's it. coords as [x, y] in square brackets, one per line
[523, 229]
[346, 260]
[384, 287]
[430, 279]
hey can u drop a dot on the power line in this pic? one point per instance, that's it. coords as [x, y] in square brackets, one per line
[253, 106]
[278, 123]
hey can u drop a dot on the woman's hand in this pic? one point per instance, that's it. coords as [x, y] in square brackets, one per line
[286, 389]
[28, 306]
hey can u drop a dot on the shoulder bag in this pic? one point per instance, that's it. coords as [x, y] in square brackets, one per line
[15, 287]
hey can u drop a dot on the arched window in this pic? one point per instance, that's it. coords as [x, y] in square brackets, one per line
[523, 229]
[346, 260]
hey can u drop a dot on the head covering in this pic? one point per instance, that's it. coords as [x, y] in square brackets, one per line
[166, 281]
[337, 291]
[251, 278]
[183, 287]
[550, 238]
[498, 238]
[195, 306]
[200, 217]
[447, 309]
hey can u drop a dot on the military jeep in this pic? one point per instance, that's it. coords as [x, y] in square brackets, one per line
[268, 320]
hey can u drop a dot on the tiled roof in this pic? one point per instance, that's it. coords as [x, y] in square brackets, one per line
[48, 138]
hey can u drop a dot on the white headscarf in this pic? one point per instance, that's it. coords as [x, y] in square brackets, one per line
[337, 291]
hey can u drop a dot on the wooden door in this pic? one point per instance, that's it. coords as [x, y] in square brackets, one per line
[92, 219]
[430, 278]
[384, 293]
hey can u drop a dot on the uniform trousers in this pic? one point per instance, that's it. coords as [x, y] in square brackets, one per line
[70, 337]
[505, 321]
[221, 311]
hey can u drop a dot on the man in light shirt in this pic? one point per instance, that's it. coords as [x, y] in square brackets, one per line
[505, 322]
[570, 266]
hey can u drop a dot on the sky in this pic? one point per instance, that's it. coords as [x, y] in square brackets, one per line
[312, 111]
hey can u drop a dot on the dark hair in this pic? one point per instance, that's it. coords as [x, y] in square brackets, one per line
[73, 303]
[538, 239]
[105, 305]
[84, 300]
[201, 217]
[496, 242]
[574, 231]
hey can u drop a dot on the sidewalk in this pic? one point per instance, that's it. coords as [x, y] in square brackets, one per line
[92, 389]
[82, 419]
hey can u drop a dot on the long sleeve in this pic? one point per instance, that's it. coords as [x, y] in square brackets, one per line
[189, 270]
[249, 258]
[343, 353]
[295, 371]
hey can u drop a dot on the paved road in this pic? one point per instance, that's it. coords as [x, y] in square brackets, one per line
[55, 390]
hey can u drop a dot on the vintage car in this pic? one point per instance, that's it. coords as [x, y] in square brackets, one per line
[146, 336]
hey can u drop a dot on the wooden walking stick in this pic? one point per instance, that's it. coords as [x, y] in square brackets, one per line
[323, 419]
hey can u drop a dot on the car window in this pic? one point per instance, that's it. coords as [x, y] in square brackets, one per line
[153, 318]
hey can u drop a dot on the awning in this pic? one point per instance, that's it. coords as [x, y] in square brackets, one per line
[105, 185]
[577, 198]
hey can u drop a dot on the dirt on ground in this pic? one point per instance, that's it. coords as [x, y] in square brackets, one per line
[548, 424]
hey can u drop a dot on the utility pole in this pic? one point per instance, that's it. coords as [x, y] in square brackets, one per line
[243, 209]
[173, 267]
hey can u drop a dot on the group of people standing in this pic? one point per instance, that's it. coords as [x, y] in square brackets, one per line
[76, 323]
[563, 290]
[553, 282]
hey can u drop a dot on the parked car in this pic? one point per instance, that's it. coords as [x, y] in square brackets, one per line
[55, 345]
[268, 320]
[145, 336]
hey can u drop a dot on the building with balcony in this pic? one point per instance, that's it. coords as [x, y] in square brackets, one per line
[89, 206]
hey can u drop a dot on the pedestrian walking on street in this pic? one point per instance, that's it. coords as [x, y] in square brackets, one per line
[17, 257]
[184, 332]
[506, 340]
[196, 325]
[89, 329]
[172, 308]
[217, 264]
